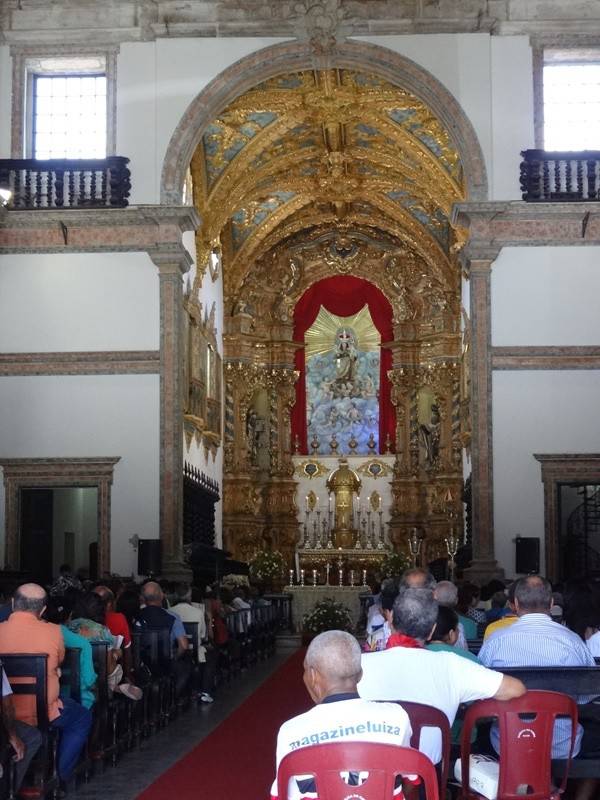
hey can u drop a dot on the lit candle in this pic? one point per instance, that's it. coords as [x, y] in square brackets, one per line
[314, 577]
[331, 504]
[291, 577]
[307, 503]
[301, 577]
[341, 576]
[351, 577]
[364, 577]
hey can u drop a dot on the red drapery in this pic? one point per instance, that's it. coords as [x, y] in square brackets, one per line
[344, 295]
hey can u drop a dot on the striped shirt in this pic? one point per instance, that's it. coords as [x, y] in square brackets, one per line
[536, 641]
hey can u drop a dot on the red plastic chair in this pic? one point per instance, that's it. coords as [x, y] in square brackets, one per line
[525, 743]
[383, 762]
[424, 716]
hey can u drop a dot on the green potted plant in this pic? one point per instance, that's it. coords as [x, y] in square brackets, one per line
[266, 568]
[327, 615]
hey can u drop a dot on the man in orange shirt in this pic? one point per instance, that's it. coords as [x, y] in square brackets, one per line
[25, 632]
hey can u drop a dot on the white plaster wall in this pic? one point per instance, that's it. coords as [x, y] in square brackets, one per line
[546, 296]
[210, 292]
[5, 100]
[80, 301]
[156, 81]
[536, 412]
[511, 113]
[108, 415]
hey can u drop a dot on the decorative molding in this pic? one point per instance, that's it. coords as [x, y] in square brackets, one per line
[311, 468]
[560, 468]
[514, 358]
[125, 362]
[46, 473]
[147, 20]
[375, 468]
[493, 226]
[154, 229]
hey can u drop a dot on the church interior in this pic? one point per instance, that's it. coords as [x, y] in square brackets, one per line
[300, 295]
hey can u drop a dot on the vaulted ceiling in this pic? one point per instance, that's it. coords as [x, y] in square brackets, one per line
[320, 149]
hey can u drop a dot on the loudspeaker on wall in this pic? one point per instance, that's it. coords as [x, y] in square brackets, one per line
[149, 557]
[527, 555]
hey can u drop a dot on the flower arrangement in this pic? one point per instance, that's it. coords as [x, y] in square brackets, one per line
[232, 581]
[327, 615]
[266, 565]
[394, 564]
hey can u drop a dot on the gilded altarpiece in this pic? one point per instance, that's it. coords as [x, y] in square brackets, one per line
[307, 176]
[426, 378]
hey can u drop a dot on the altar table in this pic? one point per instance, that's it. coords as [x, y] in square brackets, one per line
[304, 599]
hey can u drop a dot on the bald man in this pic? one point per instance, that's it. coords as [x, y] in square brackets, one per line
[154, 616]
[332, 669]
[25, 632]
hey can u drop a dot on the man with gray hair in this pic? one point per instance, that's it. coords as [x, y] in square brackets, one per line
[417, 578]
[408, 671]
[332, 669]
[25, 632]
[534, 640]
[446, 594]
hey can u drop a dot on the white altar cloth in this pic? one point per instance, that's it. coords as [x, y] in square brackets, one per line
[304, 599]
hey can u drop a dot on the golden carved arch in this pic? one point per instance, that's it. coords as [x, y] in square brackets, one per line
[309, 175]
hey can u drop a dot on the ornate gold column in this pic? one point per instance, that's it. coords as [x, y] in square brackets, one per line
[484, 565]
[171, 267]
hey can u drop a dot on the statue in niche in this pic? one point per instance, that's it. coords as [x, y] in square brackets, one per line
[430, 436]
[346, 356]
[342, 380]
[252, 436]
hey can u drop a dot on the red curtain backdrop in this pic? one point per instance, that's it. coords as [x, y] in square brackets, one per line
[344, 295]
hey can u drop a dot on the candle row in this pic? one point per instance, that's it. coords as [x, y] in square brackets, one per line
[358, 506]
[302, 577]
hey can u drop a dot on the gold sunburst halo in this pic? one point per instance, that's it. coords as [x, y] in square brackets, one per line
[320, 338]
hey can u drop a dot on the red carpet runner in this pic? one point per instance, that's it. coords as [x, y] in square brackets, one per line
[237, 760]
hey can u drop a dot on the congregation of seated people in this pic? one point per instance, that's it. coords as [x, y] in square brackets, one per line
[114, 661]
[446, 647]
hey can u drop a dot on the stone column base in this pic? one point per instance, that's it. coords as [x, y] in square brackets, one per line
[174, 570]
[483, 570]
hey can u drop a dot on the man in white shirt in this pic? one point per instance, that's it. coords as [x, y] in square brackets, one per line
[189, 611]
[331, 672]
[439, 679]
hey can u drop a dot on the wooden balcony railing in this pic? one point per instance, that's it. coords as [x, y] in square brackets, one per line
[66, 183]
[548, 176]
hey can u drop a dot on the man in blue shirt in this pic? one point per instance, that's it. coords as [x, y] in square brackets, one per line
[154, 617]
[534, 640]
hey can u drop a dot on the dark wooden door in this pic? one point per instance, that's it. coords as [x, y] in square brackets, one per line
[36, 533]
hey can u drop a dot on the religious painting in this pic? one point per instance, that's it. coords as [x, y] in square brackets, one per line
[342, 382]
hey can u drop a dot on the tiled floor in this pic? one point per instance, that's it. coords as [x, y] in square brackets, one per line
[139, 768]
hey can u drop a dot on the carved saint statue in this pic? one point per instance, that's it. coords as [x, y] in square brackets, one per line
[252, 436]
[346, 357]
[430, 436]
